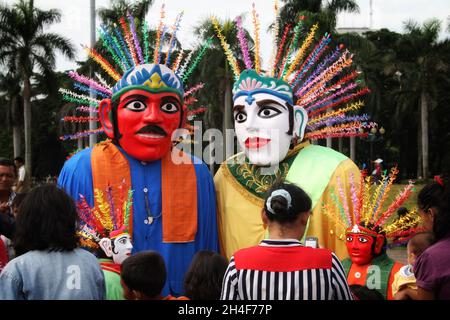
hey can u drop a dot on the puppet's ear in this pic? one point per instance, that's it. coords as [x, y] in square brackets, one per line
[300, 121]
[105, 244]
[379, 242]
[104, 112]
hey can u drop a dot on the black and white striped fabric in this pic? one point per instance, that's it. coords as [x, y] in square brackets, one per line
[285, 270]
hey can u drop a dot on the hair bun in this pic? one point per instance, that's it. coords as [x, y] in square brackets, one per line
[279, 202]
[279, 205]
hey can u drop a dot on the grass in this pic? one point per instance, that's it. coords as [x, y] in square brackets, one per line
[410, 203]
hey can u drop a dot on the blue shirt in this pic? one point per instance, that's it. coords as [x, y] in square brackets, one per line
[76, 178]
[53, 275]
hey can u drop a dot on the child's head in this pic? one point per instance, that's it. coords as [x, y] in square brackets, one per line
[143, 276]
[417, 244]
[47, 220]
[203, 280]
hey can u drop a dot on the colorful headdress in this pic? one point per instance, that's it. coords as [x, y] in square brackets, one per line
[105, 220]
[313, 76]
[367, 213]
[130, 64]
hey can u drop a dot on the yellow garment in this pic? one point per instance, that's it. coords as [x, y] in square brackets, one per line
[239, 213]
[403, 279]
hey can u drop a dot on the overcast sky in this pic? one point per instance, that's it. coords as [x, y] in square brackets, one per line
[386, 14]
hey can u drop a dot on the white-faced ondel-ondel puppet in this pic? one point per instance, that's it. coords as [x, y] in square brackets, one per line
[303, 95]
[366, 224]
[173, 208]
[103, 229]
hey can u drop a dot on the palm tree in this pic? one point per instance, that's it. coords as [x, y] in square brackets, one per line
[217, 75]
[10, 92]
[423, 68]
[26, 47]
[119, 8]
[321, 11]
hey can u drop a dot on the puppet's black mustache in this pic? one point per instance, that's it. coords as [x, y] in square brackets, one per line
[153, 129]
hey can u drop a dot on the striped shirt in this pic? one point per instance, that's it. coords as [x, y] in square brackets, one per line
[284, 270]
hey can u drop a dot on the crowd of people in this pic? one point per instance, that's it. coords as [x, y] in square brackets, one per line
[50, 264]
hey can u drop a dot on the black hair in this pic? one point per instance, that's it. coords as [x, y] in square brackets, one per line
[402, 211]
[300, 203]
[436, 195]
[18, 199]
[420, 241]
[144, 272]
[7, 163]
[291, 118]
[116, 133]
[203, 280]
[47, 220]
[364, 293]
[20, 159]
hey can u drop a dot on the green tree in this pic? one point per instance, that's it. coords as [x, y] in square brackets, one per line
[423, 64]
[321, 11]
[26, 47]
[12, 101]
[119, 8]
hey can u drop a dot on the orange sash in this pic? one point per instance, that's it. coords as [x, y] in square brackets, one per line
[179, 198]
[178, 189]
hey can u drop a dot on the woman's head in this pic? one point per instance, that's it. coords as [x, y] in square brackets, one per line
[433, 202]
[46, 220]
[285, 202]
[203, 280]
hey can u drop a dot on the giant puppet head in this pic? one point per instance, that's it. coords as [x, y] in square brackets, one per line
[300, 95]
[362, 218]
[266, 120]
[142, 102]
[145, 109]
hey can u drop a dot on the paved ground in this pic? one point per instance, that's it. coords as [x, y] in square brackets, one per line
[398, 254]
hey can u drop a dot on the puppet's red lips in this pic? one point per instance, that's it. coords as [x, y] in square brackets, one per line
[256, 142]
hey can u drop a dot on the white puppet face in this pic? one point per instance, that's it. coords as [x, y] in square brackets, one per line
[119, 248]
[265, 126]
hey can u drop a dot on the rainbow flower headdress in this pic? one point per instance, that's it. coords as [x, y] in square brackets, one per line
[366, 214]
[129, 64]
[105, 220]
[313, 76]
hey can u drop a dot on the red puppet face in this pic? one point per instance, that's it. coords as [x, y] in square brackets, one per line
[145, 122]
[360, 245]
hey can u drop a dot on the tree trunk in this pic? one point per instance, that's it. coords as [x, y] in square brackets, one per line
[17, 141]
[27, 122]
[424, 132]
[340, 144]
[80, 143]
[419, 153]
[16, 114]
[352, 148]
[329, 142]
[226, 121]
